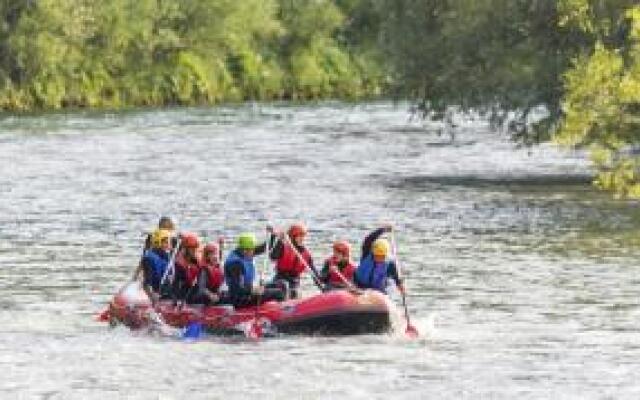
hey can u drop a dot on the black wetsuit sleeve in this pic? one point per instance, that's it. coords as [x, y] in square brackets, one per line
[260, 249]
[368, 242]
[277, 248]
[324, 274]
[393, 273]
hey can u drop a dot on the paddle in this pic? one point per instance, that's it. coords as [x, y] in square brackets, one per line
[154, 315]
[411, 330]
[316, 279]
[194, 329]
[255, 328]
[105, 315]
[145, 247]
[172, 262]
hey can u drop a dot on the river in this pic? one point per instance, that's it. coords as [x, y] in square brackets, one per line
[521, 277]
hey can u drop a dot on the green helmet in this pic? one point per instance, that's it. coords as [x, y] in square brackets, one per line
[247, 241]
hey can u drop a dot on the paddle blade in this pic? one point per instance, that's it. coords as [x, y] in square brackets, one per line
[193, 331]
[412, 332]
[103, 316]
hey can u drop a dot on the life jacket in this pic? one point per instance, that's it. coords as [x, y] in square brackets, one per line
[158, 260]
[214, 275]
[372, 275]
[190, 269]
[289, 263]
[347, 271]
[248, 269]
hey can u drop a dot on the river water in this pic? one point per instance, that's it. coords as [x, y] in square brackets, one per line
[522, 279]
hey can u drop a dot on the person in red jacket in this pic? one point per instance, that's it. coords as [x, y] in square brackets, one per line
[337, 271]
[210, 275]
[292, 258]
[186, 266]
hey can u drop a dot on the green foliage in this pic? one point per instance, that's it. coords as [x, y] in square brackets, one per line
[578, 59]
[602, 105]
[318, 64]
[114, 53]
[501, 57]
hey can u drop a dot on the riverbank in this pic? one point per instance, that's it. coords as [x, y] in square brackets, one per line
[121, 54]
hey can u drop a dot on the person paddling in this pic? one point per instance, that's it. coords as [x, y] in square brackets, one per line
[338, 267]
[210, 275]
[164, 223]
[289, 265]
[375, 267]
[154, 263]
[187, 266]
[240, 271]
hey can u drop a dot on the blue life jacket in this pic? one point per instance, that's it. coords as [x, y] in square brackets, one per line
[372, 275]
[158, 260]
[248, 269]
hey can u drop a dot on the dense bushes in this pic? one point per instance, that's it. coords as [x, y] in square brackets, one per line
[115, 53]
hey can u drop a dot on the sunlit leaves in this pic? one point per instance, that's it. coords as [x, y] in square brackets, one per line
[601, 109]
[81, 53]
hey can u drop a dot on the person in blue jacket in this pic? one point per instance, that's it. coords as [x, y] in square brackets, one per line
[375, 267]
[240, 271]
[154, 263]
[164, 223]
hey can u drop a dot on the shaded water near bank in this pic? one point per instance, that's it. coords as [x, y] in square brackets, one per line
[523, 279]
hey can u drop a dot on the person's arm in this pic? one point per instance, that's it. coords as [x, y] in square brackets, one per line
[138, 270]
[314, 273]
[202, 288]
[277, 248]
[260, 249]
[324, 274]
[368, 241]
[393, 274]
[275, 240]
[201, 282]
[179, 291]
[147, 281]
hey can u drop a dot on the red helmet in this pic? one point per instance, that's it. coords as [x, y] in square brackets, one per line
[211, 247]
[190, 240]
[297, 229]
[342, 246]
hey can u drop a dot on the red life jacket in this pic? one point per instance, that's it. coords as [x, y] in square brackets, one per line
[289, 264]
[190, 269]
[215, 277]
[347, 271]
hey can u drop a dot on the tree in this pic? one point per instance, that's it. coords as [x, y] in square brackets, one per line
[601, 107]
[499, 57]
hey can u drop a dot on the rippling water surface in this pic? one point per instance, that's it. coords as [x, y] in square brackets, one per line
[523, 280]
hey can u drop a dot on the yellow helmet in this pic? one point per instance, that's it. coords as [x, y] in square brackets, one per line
[158, 236]
[380, 248]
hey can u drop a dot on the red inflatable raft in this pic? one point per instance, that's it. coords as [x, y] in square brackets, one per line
[336, 312]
